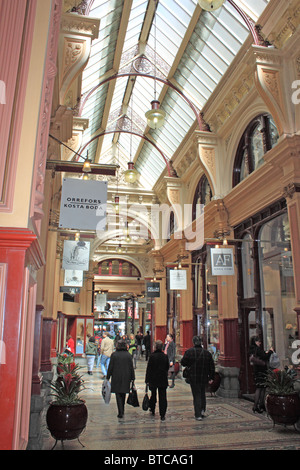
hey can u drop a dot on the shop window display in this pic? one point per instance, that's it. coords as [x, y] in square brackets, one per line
[277, 286]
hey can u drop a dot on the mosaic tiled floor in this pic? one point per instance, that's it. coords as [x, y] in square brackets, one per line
[229, 425]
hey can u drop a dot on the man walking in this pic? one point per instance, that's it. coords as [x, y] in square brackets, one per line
[106, 350]
[157, 378]
[202, 372]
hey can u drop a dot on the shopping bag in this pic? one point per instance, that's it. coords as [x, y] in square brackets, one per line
[106, 391]
[145, 404]
[132, 397]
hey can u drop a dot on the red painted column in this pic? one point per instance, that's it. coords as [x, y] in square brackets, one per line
[160, 332]
[14, 245]
[186, 334]
[229, 343]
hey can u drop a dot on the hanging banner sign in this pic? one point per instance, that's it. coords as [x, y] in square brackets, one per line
[83, 204]
[153, 289]
[76, 255]
[73, 278]
[69, 290]
[222, 262]
[178, 279]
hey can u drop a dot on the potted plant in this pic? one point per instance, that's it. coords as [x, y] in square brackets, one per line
[282, 401]
[67, 414]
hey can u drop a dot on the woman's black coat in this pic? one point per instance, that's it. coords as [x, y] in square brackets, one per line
[157, 370]
[121, 370]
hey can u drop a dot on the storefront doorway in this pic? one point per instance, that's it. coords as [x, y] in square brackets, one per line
[266, 287]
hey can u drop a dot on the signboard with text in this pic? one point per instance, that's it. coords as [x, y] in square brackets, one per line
[222, 261]
[153, 289]
[83, 204]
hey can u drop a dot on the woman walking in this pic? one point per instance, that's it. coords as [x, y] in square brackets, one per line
[122, 373]
[260, 367]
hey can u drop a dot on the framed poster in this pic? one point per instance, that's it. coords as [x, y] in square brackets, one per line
[76, 255]
[178, 279]
[73, 278]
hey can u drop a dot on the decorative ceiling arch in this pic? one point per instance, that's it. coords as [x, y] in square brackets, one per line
[152, 77]
[133, 133]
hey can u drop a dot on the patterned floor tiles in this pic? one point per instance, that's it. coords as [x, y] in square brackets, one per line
[229, 424]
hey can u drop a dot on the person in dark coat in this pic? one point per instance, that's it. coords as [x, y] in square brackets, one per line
[202, 372]
[170, 351]
[259, 371]
[147, 344]
[122, 373]
[157, 378]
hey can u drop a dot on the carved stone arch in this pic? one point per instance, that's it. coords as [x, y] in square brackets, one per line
[194, 183]
[239, 128]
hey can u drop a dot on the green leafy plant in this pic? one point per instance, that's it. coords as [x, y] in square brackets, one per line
[68, 384]
[278, 382]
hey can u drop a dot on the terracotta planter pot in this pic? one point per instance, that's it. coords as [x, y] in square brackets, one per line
[66, 422]
[283, 409]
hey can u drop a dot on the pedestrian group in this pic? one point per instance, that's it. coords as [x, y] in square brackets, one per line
[118, 361]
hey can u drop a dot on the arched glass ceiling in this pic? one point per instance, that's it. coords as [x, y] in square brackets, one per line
[194, 48]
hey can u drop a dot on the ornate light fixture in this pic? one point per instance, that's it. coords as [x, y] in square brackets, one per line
[117, 204]
[131, 173]
[117, 198]
[210, 5]
[87, 165]
[155, 116]
[126, 233]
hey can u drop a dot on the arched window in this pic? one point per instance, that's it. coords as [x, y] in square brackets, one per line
[117, 267]
[260, 136]
[203, 195]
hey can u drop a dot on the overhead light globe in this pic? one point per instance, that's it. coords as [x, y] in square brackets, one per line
[210, 5]
[87, 166]
[155, 116]
[131, 174]
[117, 204]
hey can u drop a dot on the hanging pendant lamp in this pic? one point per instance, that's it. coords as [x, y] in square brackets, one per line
[131, 173]
[87, 164]
[155, 116]
[210, 5]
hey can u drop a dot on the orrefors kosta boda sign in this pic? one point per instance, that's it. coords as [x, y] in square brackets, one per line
[83, 204]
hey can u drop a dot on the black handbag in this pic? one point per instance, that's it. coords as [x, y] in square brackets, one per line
[132, 397]
[256, 361]
[186, 374]
[145, 404]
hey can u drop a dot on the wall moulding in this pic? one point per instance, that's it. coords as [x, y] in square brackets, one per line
[76, 35]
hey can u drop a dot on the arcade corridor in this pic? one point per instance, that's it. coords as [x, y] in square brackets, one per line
[229, 425]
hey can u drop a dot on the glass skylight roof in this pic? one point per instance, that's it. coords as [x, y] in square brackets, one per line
[194, 60]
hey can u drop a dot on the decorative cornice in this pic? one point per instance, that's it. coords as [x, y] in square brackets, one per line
[72, 23]
[290, 190]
